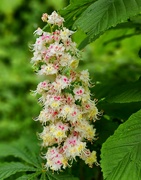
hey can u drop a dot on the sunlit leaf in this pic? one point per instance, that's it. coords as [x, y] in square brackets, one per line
[74, 10]
[103, 14]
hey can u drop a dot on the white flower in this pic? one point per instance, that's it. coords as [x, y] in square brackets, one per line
[46, 136]
[46, 38]
[66, 111]
[42, 87]
[65, 59]
[56, 36]
[44, 17]
[55, 19]
[38, 31]
[39, 44]
[58, 131]
[91, 159]
[85, 129]
[73, 147]
[44, 116]
[65, 34]
[55, 160]
[48, 69]
[69, 99]
[84, 76]
[53, 102]
[78, 91]
[37, 56]
[75, 115]
[61, 82]
[55, 49]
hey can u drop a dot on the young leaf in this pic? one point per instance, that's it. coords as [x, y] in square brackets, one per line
[8, 169]
[120, 154]
[104, 14]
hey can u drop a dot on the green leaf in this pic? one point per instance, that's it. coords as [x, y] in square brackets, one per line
[8, 169]
[54, 176]
[119, 100]
[29, 176]
[120, 110]
[74, 10]
[108, 127]
[120, 154]
[43, 176]
[104, 14]
[20, 152]
[130, 92]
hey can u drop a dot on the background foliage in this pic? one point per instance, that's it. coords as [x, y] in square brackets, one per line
[113, 60]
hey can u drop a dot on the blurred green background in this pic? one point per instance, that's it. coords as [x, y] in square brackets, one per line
[18, 20]
[113, 58]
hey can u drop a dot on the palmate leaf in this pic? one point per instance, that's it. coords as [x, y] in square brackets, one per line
[120, 110]
[74, 10]
[120, 154]
[52, 176]
[20, 152]
[129, 92]
[104, 14]
[32, 176]
[119, 100]
[43, 177]
[8, 169]
[119, 93]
